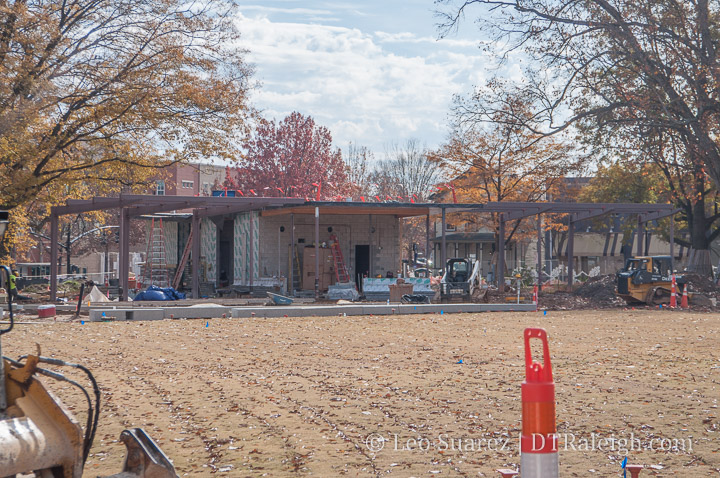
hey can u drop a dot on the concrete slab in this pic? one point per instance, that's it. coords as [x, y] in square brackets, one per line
[96, 315]
[197, 312]
[328, 311]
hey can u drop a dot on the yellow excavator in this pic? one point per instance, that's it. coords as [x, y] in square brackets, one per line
[40, 437]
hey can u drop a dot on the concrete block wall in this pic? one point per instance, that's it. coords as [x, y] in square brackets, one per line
[381, 233]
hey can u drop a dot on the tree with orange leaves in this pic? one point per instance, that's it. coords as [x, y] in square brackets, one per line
[496, 160]
[643, 73]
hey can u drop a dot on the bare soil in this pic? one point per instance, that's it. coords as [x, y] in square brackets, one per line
[295, 397]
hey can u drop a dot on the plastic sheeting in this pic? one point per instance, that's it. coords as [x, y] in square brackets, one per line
[341, 291]
[96, 296]
[157, 293]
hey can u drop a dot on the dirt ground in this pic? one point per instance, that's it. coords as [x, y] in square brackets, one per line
[287, 397]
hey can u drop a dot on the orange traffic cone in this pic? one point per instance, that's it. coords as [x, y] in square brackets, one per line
[673, 293]
[684, 301]
[538, 442]
[634, 470]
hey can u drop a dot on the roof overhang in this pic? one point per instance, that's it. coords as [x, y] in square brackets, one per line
[209, 206]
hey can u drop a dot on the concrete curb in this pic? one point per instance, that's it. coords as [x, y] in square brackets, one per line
[215, 312]
[328, 311]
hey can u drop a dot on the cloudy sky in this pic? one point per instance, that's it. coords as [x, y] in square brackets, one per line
[373, 72]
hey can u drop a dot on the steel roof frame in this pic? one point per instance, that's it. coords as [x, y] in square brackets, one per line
[133, 205]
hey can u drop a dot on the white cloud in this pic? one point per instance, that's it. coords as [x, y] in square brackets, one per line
[355, 84]
[287, 11]
[407, 37]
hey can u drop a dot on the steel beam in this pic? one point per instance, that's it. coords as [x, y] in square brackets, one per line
[581, 216]
[222, 210]
[528, 211]
[153, 209]
[651, 216]
[76, 206]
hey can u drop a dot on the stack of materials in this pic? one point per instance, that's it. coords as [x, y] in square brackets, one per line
[343, 291]
[378, 290]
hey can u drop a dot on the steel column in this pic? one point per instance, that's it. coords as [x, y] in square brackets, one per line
[672, 243]
[124, 258]
[195, 225]
[427, 244]
[53, 256]
[443, 250]
[371, 252]
[317, 252]
[539, 249]
[252, 248]
[500, 272]
[571, 252]
[640, 235]
[121, 252]
[291, 288]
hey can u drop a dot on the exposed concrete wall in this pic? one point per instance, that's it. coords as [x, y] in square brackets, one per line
[379, 232]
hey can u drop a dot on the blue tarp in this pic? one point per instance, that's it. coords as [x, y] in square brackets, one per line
[157, 293]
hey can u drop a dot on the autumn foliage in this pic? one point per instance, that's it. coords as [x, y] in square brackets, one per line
[498, 160]
[292, 158]
[88, 87]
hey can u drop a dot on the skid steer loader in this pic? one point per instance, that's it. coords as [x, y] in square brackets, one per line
[460, 279]
[40, 437]
[648, 280]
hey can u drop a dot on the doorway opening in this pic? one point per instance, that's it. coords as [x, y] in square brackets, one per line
[362, 264]
[226, 259]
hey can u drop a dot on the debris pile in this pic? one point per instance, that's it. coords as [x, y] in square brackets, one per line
[701, 284]
[600, 292]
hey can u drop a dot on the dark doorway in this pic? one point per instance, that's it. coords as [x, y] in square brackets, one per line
[226, 262]
[362, 264]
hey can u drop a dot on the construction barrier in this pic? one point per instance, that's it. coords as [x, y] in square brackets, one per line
[538, 442]
[634, 470]
[673, 292]
[684, 301]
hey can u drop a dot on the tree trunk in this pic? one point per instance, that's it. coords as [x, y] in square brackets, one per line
[699, 262]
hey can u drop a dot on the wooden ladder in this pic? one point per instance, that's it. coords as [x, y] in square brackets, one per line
[341, 272]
